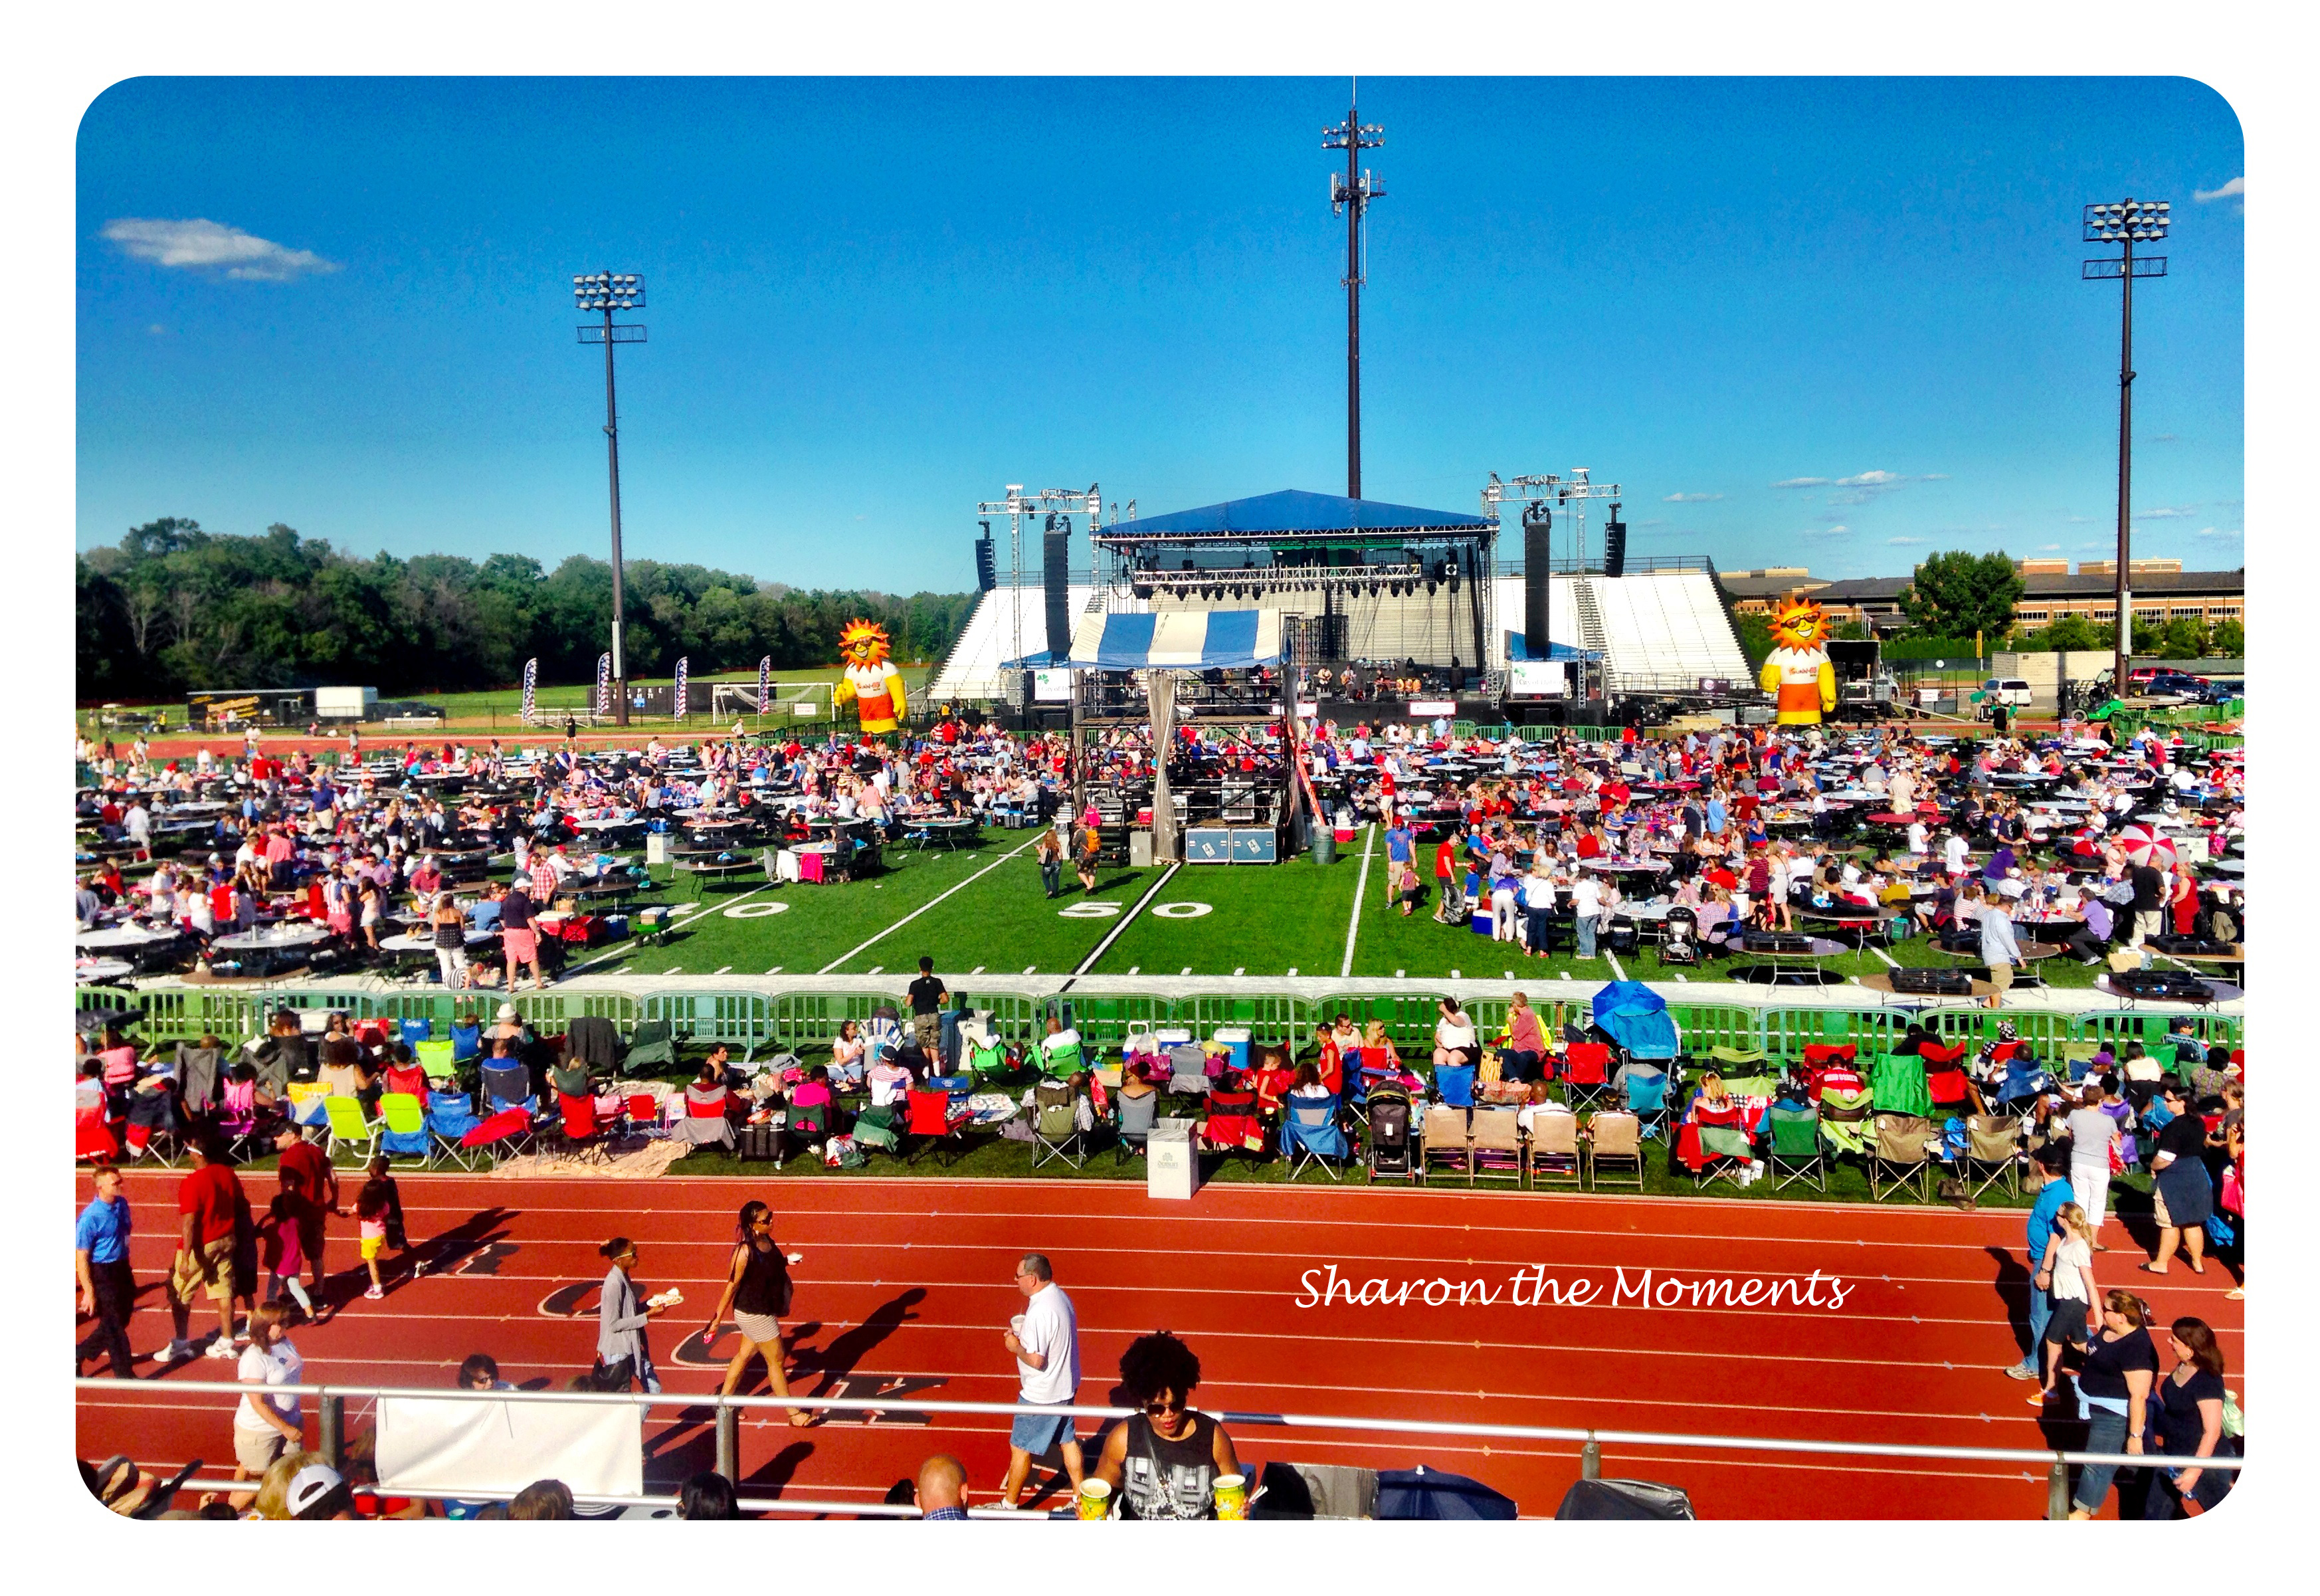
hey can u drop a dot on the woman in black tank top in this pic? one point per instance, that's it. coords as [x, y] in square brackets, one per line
[1164, 1462]
[757, 1292]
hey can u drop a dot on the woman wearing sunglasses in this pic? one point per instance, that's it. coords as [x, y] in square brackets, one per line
[1164, 1462]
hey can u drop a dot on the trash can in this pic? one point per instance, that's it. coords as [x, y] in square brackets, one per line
[1172, 1160]
[1325, 845]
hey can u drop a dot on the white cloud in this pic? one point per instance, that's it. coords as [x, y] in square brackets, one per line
[2166, 512]
[1803, 482]
[1898, 542]
[1692, 498]
[156, 330]
[2233, 189]
[2077, 521]
[1934, 476]
[2219, 532]
[2050, 548]
[1835, 531]
[1871, 479]
[202, 245]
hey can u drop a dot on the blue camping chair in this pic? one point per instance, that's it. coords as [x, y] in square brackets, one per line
[451, 1115]
[1637, 1019]
[1310, 1134]
[960, 1087]
[415, 1031]
[1647, 1100]
[466, 1043]
[1455, 1083]
[509, 1088]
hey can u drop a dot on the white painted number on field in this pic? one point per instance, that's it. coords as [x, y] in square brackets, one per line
[757, 910]
[1089, 910]
[1182, 911]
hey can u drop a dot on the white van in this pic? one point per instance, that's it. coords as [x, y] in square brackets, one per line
[2012, 692]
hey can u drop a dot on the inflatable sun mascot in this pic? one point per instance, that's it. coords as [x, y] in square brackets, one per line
[1798, 672]
[871, 680]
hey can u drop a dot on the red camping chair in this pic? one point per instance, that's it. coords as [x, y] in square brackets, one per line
[1232, 1125]
[934, 1123]
[1817, 1054]
[1947, 1087]
[580, 1132]
[1936, 1054]
[407, 1077]
[1586, 1072]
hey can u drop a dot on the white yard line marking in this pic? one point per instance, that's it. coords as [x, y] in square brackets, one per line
[721, 969]
[1132, 969]
[1361, 885]
[976, 971]
[1128, 918]
[1455, 975]
[1293, 969]
[774, 971]
[1890, 963]
[876, 970]
[865, 948]
[1617, 973]
[1185, 971]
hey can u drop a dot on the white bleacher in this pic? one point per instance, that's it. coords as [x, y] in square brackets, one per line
[973, 669]
[1666, 625]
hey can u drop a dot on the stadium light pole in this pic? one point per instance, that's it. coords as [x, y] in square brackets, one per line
[607, 292]
[1350, 194]
[2127, 223]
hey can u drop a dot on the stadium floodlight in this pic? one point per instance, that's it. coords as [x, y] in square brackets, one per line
[2127, 223]
[604, 292]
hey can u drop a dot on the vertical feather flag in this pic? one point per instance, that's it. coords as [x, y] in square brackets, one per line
[531, 687]
[603, 685]
[766, 685]
[677, 704]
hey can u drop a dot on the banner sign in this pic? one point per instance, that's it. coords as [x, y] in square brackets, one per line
[531, 687]
[603, 685]
[766, 685]
[487, 1449]
[677, 705]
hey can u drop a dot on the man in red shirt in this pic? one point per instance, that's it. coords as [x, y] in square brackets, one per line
[1445, 866]
[316, 1190]
[208, 1199]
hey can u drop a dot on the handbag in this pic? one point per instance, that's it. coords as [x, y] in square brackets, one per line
[2117, 1164]
[2231, 1200]
[1487, 1073]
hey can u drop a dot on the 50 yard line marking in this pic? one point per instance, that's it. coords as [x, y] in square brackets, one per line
[922, 908]
[1361, 885]
[1088, 962]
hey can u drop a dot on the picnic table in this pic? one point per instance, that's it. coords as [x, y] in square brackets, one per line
[1784, 965]
[269, 948]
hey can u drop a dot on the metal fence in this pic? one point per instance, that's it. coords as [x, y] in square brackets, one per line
[330, 1425]
[753, 1020]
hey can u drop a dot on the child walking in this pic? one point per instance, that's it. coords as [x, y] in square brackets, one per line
[285, 1258]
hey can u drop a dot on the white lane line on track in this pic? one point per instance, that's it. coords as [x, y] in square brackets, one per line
[1128, 919]
[1361, 885]
[922, 908]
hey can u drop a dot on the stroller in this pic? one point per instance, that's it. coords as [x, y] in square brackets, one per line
[1388, 1144]
[1680, 939]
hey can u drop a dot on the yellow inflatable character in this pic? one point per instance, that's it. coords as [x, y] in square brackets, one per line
[871, 680]
[1798, 672]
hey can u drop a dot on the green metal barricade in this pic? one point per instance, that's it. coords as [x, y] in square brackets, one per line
[1871, 1031]
[745, 1020]
[1268, 1017]
[1704, 1026]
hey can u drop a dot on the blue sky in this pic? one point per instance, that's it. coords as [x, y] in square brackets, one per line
[874, 301]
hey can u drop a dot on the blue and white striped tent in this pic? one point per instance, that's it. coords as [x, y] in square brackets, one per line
[1187, 640]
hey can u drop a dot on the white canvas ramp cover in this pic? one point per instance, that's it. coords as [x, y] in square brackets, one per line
[496, 1448]
[1187, 640]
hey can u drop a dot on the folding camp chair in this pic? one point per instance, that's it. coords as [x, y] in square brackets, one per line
[1386, 1149]
[451, 1115]
[654, 1042]
[579, 1132]
[406, 1136]
[1897, 1146]
[348, 1126]
[1586, 1073]
[1738, 1061]
[1133, 1118]
[934, 1124]
[1442, 1142]
[986, 1060]
[415, 1031]
[1059, 1056]
[466, 1042]
[435, 1059]
[1310, 1134]
[1992, 1156]
[1554, 1152]
[1187, 1070]
[1844, 1117]
[1795, 1151]
[1454, 1084]
[1495, 1145]
[1054, 1125]
[406, 1079]
[1615, 1138]
[1647, 1092]
[1724, 1154]
[1232, 1125]
[508, 1087]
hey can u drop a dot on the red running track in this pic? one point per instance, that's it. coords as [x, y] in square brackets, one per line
[908, 1281]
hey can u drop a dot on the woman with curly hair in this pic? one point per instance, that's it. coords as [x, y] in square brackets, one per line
[1164, 1462]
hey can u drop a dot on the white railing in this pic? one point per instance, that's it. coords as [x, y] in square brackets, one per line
[331, 1409]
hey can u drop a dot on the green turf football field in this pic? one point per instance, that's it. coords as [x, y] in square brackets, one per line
[982, 909]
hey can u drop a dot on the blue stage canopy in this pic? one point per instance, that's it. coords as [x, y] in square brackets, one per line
[1186, 639]
[1294, 511]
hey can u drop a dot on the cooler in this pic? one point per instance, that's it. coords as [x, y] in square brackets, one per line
[1236, 1037]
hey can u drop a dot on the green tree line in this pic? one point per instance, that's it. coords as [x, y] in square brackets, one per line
[172, 609]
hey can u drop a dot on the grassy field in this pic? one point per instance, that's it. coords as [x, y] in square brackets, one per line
[982, 909]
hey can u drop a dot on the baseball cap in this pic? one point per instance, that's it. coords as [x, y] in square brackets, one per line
[309, 1485]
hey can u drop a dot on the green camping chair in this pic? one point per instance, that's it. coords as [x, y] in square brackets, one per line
[1060, 1063]
[987, 1063]
[1897, 1085]
[435, 1057]
[344, 1115]
[1796, 1153]
[653, 1043]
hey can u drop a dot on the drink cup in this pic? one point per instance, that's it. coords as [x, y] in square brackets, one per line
[1016, 1325]
[1094, 1499]
[1232, 1496]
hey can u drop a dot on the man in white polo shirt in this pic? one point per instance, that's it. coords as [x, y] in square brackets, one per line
[1047, 1348]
